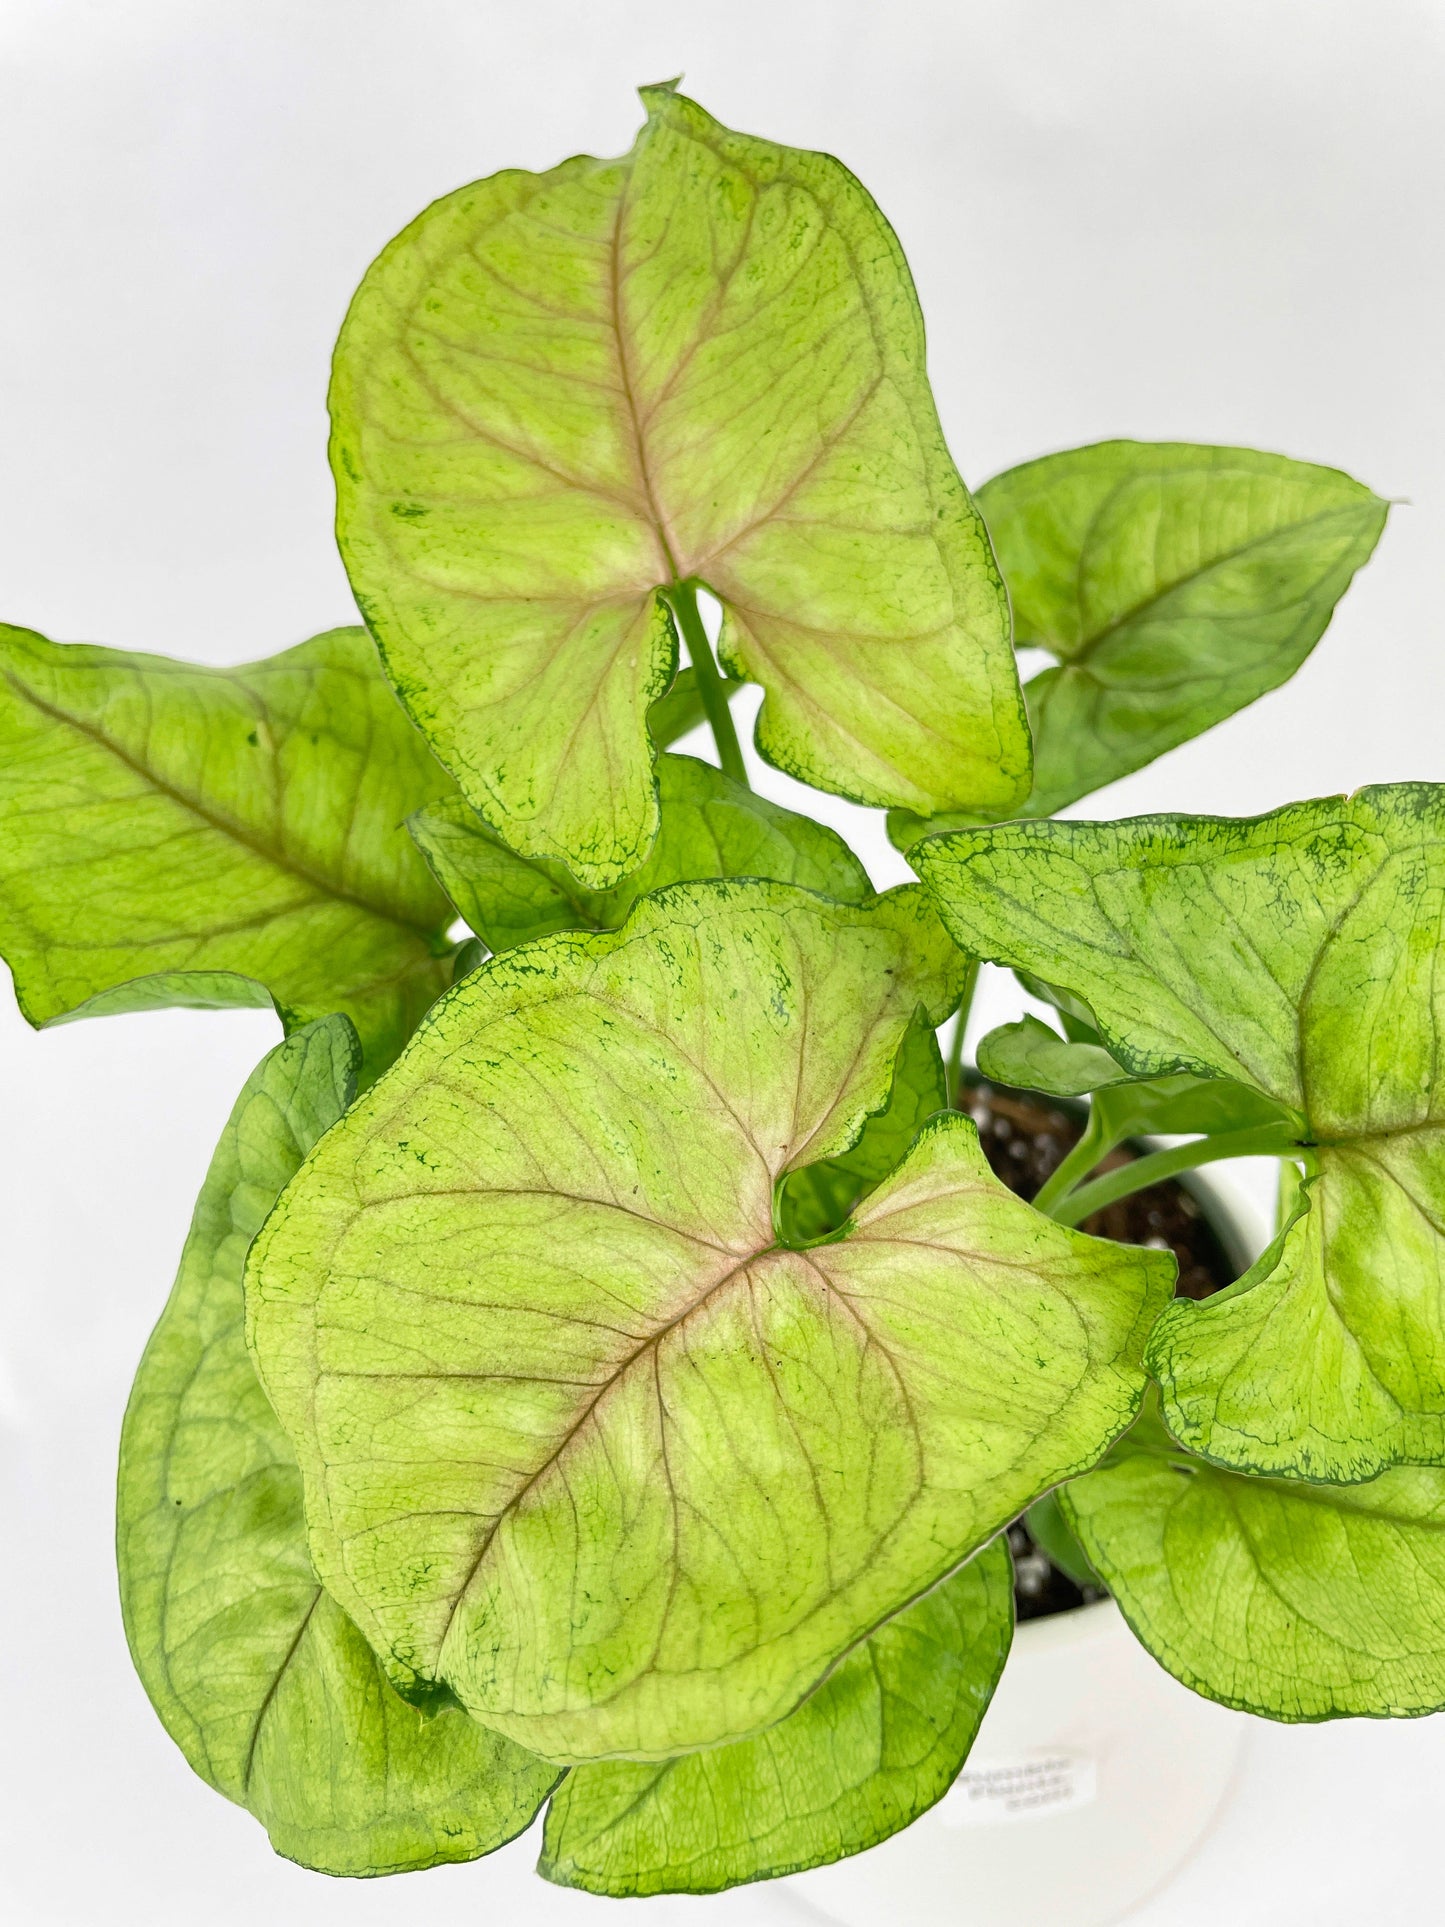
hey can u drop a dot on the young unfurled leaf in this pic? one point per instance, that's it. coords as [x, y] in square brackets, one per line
[1297, 954]
[1298, 1601]
[1174, 584]
[171, 834]
[259, 1677]
[711, 827]
[681, 709]
[581, 1439]
[556, 395]
[879, 1742]
[1030, 1056]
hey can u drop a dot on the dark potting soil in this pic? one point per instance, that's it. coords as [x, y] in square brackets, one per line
[1024, 1139]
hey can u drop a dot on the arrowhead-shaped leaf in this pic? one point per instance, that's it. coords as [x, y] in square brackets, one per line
[171, 834]
[1295, 1600]
[711, 827]
[1297, 954]
[556, 395]
[581, 1438]
[259, 1677]
[1174, 584]
[875, 1746]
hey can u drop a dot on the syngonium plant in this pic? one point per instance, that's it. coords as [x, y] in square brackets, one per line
[603, 1365]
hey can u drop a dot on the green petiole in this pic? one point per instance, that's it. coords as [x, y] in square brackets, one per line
[682, 599]
[1138, 1175]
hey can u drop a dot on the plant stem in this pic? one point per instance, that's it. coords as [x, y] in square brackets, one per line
[1263, 1141]
[953, 1067]
[1095, 1143]
[683, 598]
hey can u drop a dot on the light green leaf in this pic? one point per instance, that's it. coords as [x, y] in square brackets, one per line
[1029, 1056]
[816, 1200]
[1297, 1601]
[879, 1742]
[556, 395]
[171, 834]
[581, 1439]
[1296, 954]
[1175, 584]
[1347, 1315]
[259, 1677]
[681, 709]
[711, 827]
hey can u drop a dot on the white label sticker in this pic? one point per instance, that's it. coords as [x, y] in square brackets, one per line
[1028, 1786]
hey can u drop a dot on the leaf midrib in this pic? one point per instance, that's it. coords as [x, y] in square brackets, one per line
[624, 370]
[647, 1347]
[224, 826]
[655, 517]
[1081, 655]
[271, 1691]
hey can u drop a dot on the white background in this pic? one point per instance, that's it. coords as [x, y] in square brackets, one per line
[1213, 221]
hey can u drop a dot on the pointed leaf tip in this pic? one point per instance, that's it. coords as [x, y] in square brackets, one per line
[658, 91]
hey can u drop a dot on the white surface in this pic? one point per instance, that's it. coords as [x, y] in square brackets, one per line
[1217, 221]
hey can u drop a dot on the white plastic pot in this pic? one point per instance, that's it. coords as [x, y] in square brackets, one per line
[1093, 1777]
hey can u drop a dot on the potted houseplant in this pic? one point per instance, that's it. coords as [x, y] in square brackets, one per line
[604, 1368]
